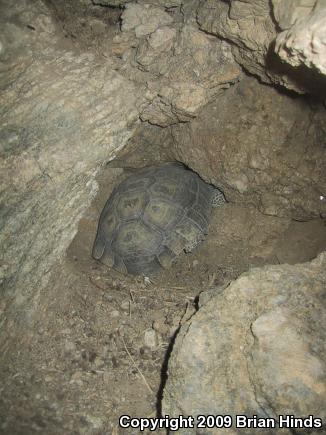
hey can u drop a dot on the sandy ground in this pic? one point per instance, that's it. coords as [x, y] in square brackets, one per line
[136, 319]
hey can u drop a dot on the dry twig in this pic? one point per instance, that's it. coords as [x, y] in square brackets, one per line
[135, 365]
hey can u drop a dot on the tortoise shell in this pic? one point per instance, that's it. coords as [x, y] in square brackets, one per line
[151, 217]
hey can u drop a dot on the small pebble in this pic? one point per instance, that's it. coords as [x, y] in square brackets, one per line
[150, 339]
[115, 313]
[160, 326]
[98, 362]
[76, 378]
[108, 297]
[125, 305]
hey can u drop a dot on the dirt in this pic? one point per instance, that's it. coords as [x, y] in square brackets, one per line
[105, 352]
[86, 25]
[108, 349]
[134, 319]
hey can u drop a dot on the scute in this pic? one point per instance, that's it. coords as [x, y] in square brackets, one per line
[190, 231]
[133, 183]
[165, 188]
[110, 222]
[135, 238]
[151, 217]
[130, 205]
[162, 213]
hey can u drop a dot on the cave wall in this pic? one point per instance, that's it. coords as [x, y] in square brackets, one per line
[66, 111]
[262, 147]
[63, 116]
[265, 32]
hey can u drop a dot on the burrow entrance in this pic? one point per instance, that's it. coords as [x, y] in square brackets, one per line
[135, 319]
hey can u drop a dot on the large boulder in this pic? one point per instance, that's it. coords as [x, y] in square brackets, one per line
[254, 28]
[303, 40]
[63, 116]
[255, 347]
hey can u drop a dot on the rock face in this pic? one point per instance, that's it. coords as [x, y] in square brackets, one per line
[63, 115]
[260, 147]
[249, 25]
[255, 347]
[183, 68]
[305, 41]
[68, 108]
[253, 27]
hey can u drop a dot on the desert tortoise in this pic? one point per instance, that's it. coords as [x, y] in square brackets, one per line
[152, 216]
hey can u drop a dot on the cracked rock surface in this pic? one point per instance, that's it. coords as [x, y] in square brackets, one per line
[75, 77]
[254, 29]
[62, 116]
[260, 146]
[305, 41]
[254, 347]
[183, 68]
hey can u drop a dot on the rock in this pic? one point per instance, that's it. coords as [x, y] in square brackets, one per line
[183, 68]
[125, 306]
[64, 114]
[99, 362]
[94, 422]
[98, 27]
[158, 43]
[253, 27]
[73, 88]
[151, 339]
[249, 25]
[206, 67]
[291, 12]
[60, 123]
[256, 348]
[161, 327]
[144, 19]
[305, 41]
[260, 147]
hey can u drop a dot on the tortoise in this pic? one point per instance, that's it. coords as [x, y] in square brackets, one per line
[152, 216]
